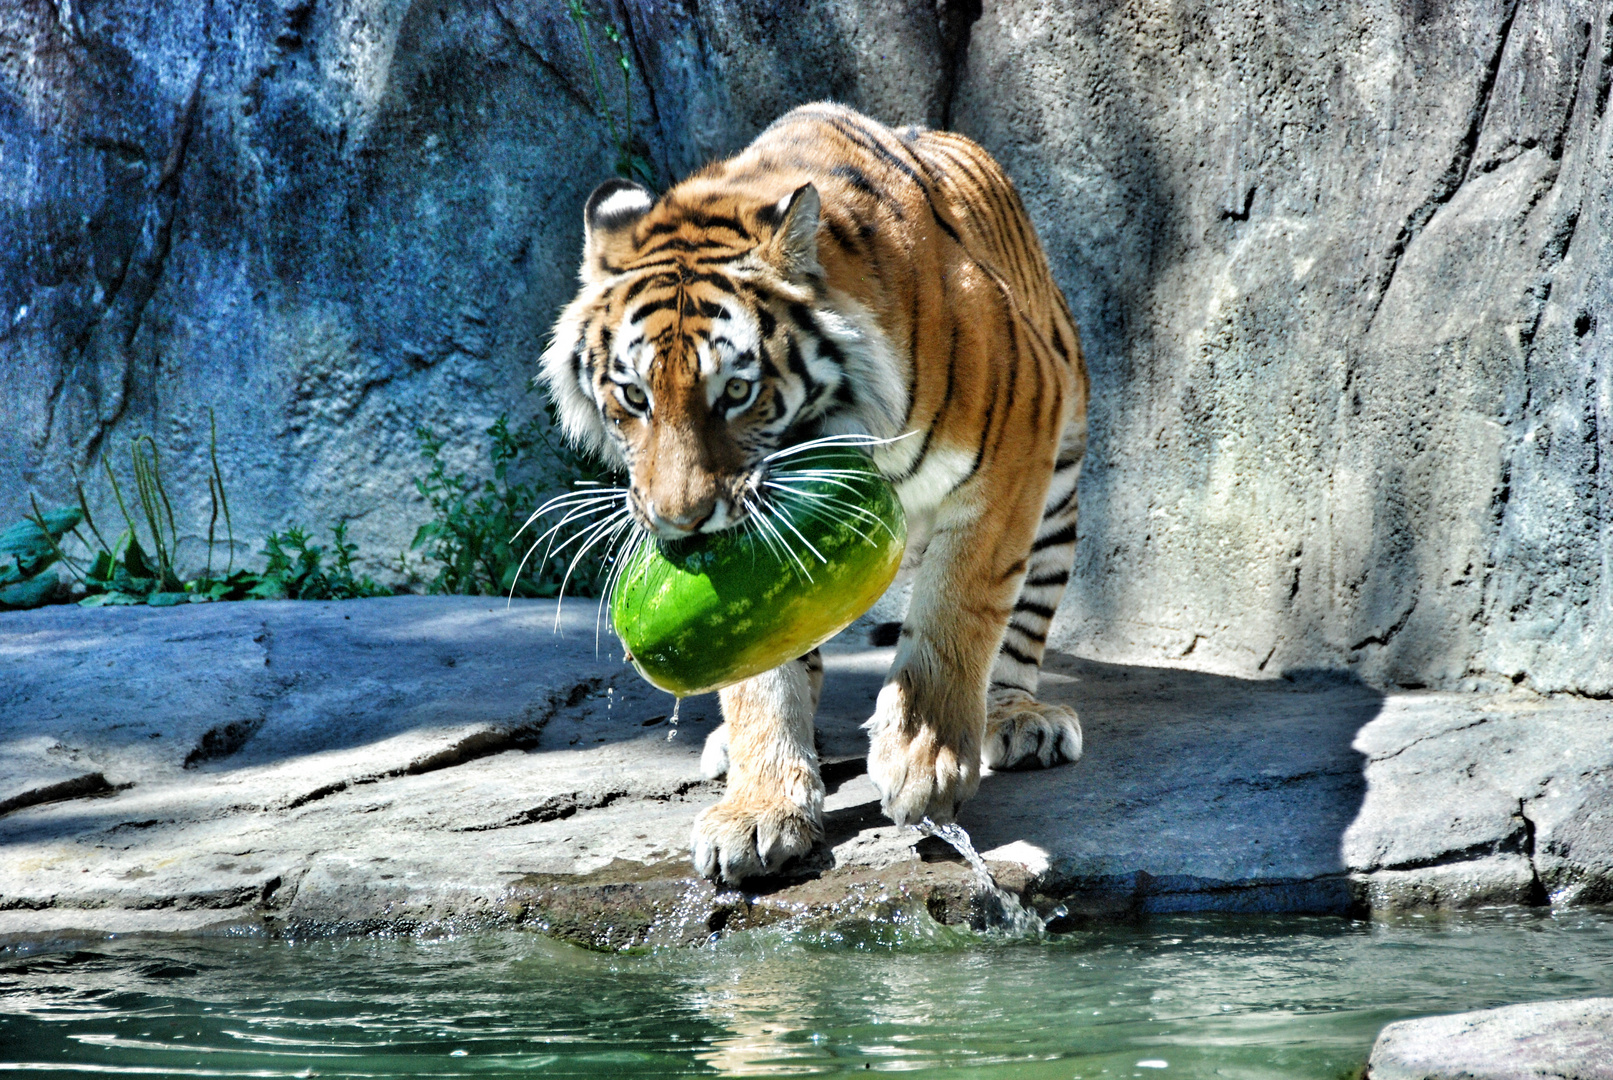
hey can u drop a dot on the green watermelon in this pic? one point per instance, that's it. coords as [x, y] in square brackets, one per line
[703, 613]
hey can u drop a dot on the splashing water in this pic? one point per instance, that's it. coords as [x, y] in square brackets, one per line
[995, 908]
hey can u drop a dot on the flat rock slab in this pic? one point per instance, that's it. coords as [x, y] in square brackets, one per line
[1547, 1040]
[424, 760]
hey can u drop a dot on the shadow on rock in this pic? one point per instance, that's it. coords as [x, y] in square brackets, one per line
[1197, 791]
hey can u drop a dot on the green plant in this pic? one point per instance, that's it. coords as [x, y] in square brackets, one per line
[630, 164]
[29, 551]
[478, 540]
[124, 572]
[138, 567]
[296, 569]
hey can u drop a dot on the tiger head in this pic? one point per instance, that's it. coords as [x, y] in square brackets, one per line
[705, 337]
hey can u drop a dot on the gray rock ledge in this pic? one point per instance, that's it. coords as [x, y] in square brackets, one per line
[1544, 1040]
[400, 763]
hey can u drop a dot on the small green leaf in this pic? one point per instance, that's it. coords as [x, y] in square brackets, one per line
[112, 599]
[125, 582]
[426, 533]
[35, 592]
[135, 559]
[25, 550]
[268, 589]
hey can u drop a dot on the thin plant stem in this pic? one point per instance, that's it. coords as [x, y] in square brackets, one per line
[172, 550]
[627, 107]
[579, 17]
[212, 521]
[39, 523]
[89, 519]
[117, 493]
[147, 486]
[224, 500]
[168, 507]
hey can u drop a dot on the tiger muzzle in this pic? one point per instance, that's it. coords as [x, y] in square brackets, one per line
[679, 521]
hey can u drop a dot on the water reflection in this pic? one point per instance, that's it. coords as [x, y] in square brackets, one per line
[1292, 998]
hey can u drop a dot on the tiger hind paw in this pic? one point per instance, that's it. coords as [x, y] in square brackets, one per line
[1023, 733]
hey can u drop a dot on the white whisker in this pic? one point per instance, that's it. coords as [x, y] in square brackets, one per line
[549, 553]
[618, 560]
[749, 529]
[822, 515]
[766, 522]
[595, 534]
[571, 499]
[851, 439]
[833, 481]
[835, 500]
[775, 543]
[572, 515]
[791, 526]
[556, 547]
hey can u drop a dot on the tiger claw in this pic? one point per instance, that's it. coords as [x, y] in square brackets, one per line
[739, 839]
[1023, 733]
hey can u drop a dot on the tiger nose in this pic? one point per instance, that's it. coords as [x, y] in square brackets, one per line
[687, 522]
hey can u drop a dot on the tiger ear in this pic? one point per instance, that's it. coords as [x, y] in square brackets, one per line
[608, 219]
[794, 246]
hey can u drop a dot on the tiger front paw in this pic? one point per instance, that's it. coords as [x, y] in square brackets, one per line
[748, 835]
[921, 771]
[1023, 733]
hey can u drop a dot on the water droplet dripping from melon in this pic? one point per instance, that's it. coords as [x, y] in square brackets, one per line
[672, 731]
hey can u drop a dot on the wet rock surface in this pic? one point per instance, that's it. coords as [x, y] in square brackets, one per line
[1547, 1040]
[409, 762]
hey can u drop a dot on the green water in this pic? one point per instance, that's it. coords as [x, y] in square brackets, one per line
[1206, 996]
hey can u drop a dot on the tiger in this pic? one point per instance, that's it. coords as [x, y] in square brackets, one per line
[840, 277]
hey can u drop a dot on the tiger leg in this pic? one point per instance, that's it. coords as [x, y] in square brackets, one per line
[773, 809]
[1022, 732]
[929, 721]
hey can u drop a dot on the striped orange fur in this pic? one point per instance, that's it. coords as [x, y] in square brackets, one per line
[838, 276]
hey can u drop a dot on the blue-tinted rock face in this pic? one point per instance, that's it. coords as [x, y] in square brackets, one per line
[1338, 274]
[1341, 271]
[334, 222]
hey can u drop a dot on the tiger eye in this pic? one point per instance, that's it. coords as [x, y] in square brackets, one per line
[737, 390]
[635, 396]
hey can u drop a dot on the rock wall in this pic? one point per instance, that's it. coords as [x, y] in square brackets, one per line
[335, 220]
[1339, 266]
